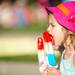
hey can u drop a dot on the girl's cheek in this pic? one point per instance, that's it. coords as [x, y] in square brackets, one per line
[58, 36]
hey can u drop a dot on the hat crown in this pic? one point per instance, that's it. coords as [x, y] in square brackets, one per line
[65, 17]
[72, 18]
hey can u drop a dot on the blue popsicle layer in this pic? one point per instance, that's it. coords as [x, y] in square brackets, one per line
[51, 59]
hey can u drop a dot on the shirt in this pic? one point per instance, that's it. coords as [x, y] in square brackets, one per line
[66, 66]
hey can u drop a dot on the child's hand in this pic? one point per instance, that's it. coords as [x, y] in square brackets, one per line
[51, 71]
[69, 50]
[47, 61]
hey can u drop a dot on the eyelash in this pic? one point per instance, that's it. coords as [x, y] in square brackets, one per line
[52, 25]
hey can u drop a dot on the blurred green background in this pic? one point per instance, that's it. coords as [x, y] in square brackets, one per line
[21, 22]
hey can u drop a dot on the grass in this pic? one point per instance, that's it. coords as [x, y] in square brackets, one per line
[21, 58]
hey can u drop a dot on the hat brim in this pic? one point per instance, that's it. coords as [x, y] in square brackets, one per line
[61, 18]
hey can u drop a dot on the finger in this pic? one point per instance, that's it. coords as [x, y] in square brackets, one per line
[53, 71]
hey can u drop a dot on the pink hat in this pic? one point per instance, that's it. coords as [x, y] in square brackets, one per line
[64, 14]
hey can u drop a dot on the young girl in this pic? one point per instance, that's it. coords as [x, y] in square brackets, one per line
[62, 28]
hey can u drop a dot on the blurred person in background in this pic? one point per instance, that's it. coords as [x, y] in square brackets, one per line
[18, 10]
[43, 2]
[28, 13]
[39, 11]
[7, 15]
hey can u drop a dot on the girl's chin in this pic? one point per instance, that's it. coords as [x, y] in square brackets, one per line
[56, 47]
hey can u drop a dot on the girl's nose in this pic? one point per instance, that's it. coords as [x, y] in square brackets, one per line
[50, 30]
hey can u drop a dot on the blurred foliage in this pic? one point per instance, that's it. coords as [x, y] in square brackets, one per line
[54, 3]
[30, 2]
[12, 1]
[38, 27]
[24, 58]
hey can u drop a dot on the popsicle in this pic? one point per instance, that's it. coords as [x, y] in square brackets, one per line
[41, 55]
[49, 42]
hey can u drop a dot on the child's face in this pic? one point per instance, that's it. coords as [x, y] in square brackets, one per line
[56, 30]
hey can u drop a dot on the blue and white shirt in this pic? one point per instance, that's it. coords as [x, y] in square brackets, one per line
[66, 66]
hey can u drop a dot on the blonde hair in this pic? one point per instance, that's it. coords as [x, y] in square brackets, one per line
[71, 36]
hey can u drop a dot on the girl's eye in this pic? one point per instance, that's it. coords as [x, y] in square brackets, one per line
[52, 25]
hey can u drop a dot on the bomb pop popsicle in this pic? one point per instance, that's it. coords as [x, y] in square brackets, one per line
[41, 54]
[49, 49]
